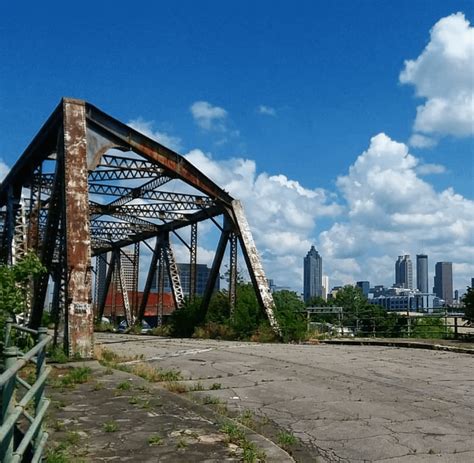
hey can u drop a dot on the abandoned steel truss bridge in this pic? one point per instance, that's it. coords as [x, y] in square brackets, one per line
[88, 186]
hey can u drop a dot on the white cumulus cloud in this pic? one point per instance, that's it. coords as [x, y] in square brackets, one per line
[443, 75]
[281, 212]
[391, 210]
[208, 117]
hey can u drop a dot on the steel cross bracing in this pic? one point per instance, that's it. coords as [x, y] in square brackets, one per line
[89, 185]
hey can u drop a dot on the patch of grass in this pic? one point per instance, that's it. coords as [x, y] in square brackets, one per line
[57, 355]
[98, 386]
[174, 386]
[73, 438]
[210, 400]
[57, 426]
[197, 387]
[124, 386]
[235, 435]
[74, 376]
[57, 456]
[182, 444]
[286, 440]
[110, 426]
[216, 386]
[155, 439]
[133, 400]
[233, 432]
[247, 419]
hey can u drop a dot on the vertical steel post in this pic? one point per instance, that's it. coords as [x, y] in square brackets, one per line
[8, 403]
[136, 270]
[40, 367]
[193, 262]
[232, 273]
[149, 279]
[216, 265]
[80, 324]
[254, 265]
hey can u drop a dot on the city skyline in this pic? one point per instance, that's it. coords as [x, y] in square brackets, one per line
[365, 168]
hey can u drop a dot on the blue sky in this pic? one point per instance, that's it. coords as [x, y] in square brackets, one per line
[299, 89]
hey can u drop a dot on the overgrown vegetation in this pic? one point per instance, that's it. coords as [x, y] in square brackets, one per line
[235, 435]
[468, 300]
[247, 322]
[72, 377]
[15, 284]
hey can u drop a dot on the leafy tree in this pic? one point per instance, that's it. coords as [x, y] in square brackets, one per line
[428, 328]
[183, 321]
[316, 301]
[247, 313]
[15, 284]
[468, 300]
[289, 311]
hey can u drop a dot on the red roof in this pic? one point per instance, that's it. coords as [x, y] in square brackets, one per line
[114, 303]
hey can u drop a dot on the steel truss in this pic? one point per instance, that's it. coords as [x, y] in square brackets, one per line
[95, 186]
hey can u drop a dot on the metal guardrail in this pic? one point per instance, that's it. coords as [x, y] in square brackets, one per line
[437, 326]
[16, 407]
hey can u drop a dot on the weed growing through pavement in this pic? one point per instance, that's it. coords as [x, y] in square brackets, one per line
[74, 376]
[124, 386]
[110, 426]
[236, 435]
[216, 386]
[286, 440]
[155, 440]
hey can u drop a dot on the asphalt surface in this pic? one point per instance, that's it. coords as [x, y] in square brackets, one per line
[350, 403]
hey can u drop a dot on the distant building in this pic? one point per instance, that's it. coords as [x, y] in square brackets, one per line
[184, 270]
[412, 301]
[472, 283]
[456, 295]
[443, 281]
[325, 287]
[422, 273]
[404, 272]
[313, 275]
[364, 287]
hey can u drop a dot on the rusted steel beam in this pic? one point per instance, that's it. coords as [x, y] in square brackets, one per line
[173, 273]
[167, 227]
[155, 152]
[151, 275]
[193, 262]
[49, 238]
[254, 265]
[232, 272]
[42, 145]
[216, 265]
[80, 324]
[108, 280]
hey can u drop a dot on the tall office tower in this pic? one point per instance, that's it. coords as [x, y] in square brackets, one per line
[126, 262]
[313, 275]
[404, 272]
[325, 287]
[472, 282]
[422, 273]
[443, 281]
[364, 287]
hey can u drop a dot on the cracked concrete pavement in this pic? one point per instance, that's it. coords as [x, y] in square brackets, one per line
[351, 403]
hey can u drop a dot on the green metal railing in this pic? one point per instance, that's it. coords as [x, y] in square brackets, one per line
[21, 401]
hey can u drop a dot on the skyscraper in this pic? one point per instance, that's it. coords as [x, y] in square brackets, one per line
[443, 281]
[404, 272]
[422, 273]
[325, 288]
[364, 287]
[313, 275]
